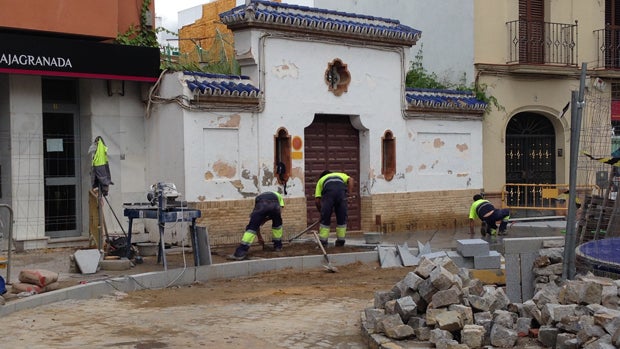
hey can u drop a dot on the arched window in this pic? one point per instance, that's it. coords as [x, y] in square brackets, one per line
[388, 155]
[282, 156]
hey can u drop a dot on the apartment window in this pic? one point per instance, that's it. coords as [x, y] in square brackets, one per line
[282, 156]
[388, 155]
[531, 31]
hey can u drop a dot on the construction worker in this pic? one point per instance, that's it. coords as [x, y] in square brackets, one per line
[489, 215]
[331, 196]
[267, 206]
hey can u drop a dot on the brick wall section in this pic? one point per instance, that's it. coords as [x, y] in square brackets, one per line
[417, 211]
[226, 220]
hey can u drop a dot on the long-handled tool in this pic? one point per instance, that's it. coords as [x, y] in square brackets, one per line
[304, 231]
[329, 266]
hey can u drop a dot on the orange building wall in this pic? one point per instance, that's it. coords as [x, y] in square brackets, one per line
[202, 32]
[102, 19]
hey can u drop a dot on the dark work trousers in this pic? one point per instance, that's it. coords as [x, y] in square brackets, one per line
[334, 199]
[264, 210]
[498, 215]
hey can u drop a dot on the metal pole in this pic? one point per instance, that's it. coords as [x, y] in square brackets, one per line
[577, 102]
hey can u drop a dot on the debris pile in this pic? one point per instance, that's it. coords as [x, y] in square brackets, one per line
[440, 303]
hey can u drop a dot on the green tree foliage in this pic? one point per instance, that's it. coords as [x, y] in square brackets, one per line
[419, 77]
[142, 34]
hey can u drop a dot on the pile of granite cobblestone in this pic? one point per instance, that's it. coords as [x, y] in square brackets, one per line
[438, 304]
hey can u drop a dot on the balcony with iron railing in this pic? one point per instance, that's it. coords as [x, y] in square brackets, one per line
[608, 44]
[537, 42]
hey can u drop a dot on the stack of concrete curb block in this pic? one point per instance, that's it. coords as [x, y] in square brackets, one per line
[520, 255]
[477, 251]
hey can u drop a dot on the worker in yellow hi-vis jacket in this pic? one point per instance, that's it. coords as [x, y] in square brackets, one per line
[267, 206]
[330, 196]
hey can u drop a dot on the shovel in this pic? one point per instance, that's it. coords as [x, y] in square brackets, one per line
[329, 266]
[303, 231]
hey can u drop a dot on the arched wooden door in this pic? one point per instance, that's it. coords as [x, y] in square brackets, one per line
[332, 143]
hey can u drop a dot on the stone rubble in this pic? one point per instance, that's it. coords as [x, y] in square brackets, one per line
[438, 304]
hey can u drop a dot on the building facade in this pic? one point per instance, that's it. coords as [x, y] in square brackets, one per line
[62, 83]
[529, 54]
[320, 89]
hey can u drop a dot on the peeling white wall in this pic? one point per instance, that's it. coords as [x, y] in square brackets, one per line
[229, 154]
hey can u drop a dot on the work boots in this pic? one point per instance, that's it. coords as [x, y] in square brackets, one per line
[241, 253]
[339, 242]
[277, 245]
[324, 243]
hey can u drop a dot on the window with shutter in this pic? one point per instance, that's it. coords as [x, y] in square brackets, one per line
[531, 31]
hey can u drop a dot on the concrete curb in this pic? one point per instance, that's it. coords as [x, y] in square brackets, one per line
[183, 276]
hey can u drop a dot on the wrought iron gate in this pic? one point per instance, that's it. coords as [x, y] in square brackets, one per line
[530, 155]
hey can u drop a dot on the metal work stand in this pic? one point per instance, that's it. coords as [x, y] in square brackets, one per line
[163, 217]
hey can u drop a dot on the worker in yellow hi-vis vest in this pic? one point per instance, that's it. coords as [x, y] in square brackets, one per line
[330, 196]
[100, 172]
[267, 207]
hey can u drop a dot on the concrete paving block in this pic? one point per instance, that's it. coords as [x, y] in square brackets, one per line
[493, 260]
[462, 262]
[388, 257]
[406, 257]
[346, 258]
[513, 291]
[116, 264]
[513, 268]
[472, 247]
[87, 260]
[518, 245]
[294, 263]
[7, 309]
[527, 276]
[146, 280]
[54, 296]
[312, 262]
[554, 241]
[233, 269]
[438, 254]
[424, 248]
[180, 276]
[261, 266]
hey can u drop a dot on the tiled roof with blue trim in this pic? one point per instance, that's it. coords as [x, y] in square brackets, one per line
[418, 98]
[294, 17]
[239, 86]
[220, 85]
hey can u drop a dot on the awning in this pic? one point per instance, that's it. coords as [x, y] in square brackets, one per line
[51, 56]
